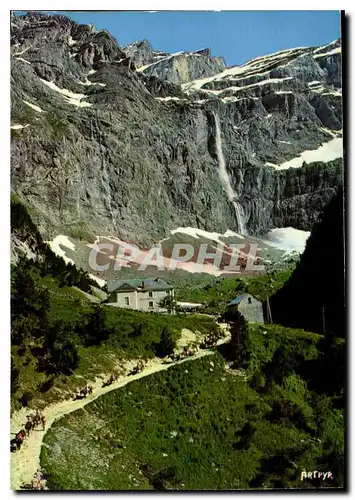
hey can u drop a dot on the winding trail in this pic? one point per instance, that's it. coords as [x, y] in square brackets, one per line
[26, 461]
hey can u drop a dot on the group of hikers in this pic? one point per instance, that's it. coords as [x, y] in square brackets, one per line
[138, 368]
[186, 352]
[39, 418]
[38, 482]
[189, 351]
[82, 393]
[113, 377]
[88, 389]
[33, 421]
[209, 343]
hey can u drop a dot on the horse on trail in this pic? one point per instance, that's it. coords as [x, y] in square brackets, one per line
[43, 421]
[138, 368]
[82, 393]
[38, 483]
[29, 425]
[189, 351]
[89, 389]
[111, 380]
[37, 417]
[16, 442]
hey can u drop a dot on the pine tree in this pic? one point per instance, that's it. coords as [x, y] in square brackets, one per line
[166, 345]
[238, 347]
[29, 305]
[95, 331]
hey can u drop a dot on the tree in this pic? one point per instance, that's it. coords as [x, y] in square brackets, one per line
[166, 345]
[29, 305]
[65, 357]
[94, 331]
[59, 354]
[238, 346]
[168, 303]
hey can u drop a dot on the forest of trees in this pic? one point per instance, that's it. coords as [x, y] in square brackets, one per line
[34, 336]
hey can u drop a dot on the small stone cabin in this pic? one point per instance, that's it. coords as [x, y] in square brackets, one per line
[249, 306]
[142, 295]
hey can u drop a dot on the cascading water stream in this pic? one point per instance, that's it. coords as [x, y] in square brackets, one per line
[223, 174]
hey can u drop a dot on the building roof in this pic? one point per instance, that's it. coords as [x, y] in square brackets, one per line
[140, 285]
[238, 299]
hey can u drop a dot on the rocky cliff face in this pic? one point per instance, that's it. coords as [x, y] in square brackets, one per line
[178, 68]
[125, 141]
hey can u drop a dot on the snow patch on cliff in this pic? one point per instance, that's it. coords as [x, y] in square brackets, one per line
[241, 71]
[99, 281]
[327, 151]
[33, 106]
[70, 97]
[88, 82]
[56, 247]
[324, 46]
[288, 239]
[169, 99]
[18, 127]
[269, 81]
[22, 52]
[71, 41]
[23, 60]
[200, 233]
[337, 50]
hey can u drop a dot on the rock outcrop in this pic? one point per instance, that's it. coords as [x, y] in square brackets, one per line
[178, 68]
[118, 141]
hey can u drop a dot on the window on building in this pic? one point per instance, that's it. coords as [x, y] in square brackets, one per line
[150, 294]
[126, 301]
[249, 300]
[151, 303]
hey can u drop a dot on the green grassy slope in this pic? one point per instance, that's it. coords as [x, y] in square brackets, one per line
[201, 426]
[133, 336]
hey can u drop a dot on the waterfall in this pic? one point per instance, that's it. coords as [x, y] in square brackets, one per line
[240, 217]
[223, 174]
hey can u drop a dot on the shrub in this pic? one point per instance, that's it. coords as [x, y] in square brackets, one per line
[26, 398]
[166, 345]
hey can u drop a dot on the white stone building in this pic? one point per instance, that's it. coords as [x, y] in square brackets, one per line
[142, 295]
[249, 306]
